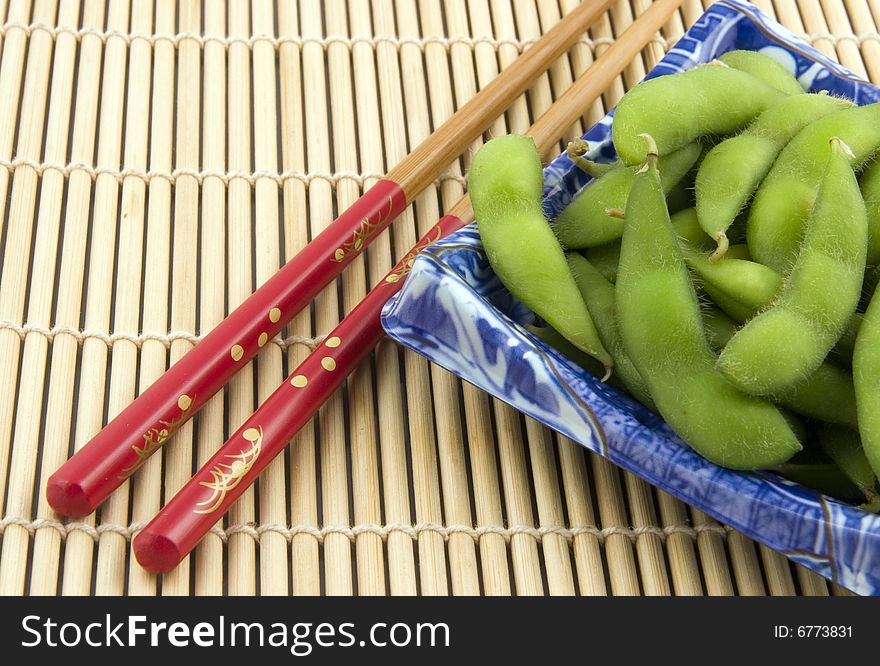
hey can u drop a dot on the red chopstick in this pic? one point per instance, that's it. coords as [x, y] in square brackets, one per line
[191, 513]
[102, 465]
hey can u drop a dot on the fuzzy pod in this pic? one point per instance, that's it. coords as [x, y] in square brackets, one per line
[553, 338]
[731, 172]
[790, 339]
[605, 258]
[827, 394]
[763, 67]
[662, 330]
[866, 374]
[740, 287]
[585, 222]
[505, 183]
[820, 474]
[782, 204]
[870, 184]
[844, 447]
[677, 109]
[598, 294]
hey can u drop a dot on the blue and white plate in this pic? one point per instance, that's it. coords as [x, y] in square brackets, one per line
[454, 310]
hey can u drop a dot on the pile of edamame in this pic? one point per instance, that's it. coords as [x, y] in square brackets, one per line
[722, 271]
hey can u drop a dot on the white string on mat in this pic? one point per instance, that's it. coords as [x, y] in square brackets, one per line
[373, 41]
[200, 175]
[382, 531]
[277, 42]
[110, 339]
[839, 37]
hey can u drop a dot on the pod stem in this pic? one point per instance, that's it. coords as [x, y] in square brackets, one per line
[652, 155]
[616, 213]
[837, 144]
[723, 244]
[576, 150]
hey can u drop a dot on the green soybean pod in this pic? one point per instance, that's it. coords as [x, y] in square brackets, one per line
[679, 108]
[598, 294]
[870, 183]
[787, 194]
[763, 67]
[585, 221]
[679, 197]
[826, 394]
[731, 172]
[718, 326]
[845, 348]
[662, 330]
[687, 228]
[844, 447]
[505, 183]
[738, 286]
[605, 258]
[819, 473]
[555, 339]
[792, 337]
[866, 373]
[740, 296]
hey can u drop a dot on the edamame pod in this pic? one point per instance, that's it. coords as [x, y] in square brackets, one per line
[763, 67]
[866, 373]
[555, 339]
[687, 228]
[505, 183]
[738, 286]
[585, 221]
[786, 196]
[845, 348]
[826, 394]
[598, 294]
[791, 338]
[740, 296]
[605, 258]
[844, 447]
[718, 326]
[731, 172]
[820, 474]
[679, 108]
[662, 330]
[870, 183]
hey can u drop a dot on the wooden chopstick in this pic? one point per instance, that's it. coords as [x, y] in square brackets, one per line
[102, 465]
[176, 530]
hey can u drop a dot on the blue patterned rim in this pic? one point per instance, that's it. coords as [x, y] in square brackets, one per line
[454, 310]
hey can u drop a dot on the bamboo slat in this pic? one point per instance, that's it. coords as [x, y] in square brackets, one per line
[161, 159]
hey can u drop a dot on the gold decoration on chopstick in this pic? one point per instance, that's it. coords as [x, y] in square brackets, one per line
[328, 363]
[405, 265]
[225, 477]
[156, 437]
[333, 342]
[366, 229]
[274, 315]
[264, 338]
[299, 381]
[236, 352]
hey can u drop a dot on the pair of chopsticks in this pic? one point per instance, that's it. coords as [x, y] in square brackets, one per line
[79, 486]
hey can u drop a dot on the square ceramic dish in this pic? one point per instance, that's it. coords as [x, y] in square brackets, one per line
[455, 311]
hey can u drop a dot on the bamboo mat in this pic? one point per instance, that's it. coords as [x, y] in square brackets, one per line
[160, 160]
